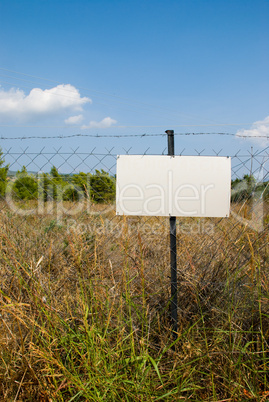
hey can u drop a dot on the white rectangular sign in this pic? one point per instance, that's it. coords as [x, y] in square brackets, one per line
[152, 185]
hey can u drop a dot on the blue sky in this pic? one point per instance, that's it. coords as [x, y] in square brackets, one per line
[134, 67]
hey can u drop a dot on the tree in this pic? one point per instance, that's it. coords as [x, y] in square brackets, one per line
[56, 184]
[44, 183]
[76, 187]
[3, 175]
[25, 186]
[82, 182]
[103, 187]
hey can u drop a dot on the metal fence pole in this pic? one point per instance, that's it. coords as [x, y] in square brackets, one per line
[173, 249]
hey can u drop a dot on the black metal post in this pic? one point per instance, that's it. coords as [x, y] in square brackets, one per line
[173, 248]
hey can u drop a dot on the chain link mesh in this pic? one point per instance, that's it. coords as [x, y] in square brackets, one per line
[51, 234]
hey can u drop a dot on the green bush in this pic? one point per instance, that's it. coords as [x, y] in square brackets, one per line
[103, 187]
[3, 175]
[100, 186]
[248, 187]
[25, 186]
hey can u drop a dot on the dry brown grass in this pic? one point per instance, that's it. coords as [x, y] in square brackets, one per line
[84, 309]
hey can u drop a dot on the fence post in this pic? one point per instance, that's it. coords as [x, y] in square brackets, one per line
[173, 248]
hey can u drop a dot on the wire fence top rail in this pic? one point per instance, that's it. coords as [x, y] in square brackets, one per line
[97, 135]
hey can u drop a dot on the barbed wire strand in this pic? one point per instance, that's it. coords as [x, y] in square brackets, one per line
[128, 135]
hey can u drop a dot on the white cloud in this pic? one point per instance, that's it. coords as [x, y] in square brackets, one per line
[74, 119]
[15, 104]
[258, 131]
[105, 123]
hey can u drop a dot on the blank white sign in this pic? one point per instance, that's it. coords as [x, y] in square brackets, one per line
[162, 185]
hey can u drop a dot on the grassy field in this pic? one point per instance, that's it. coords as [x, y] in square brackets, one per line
[84, 309]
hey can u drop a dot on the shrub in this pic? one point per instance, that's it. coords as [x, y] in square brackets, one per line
[103, 186]
[3, 175]
[25, 186]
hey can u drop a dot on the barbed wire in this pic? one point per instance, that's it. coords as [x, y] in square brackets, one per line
[128, 135]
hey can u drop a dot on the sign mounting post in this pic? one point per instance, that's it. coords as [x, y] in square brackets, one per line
[173, 248]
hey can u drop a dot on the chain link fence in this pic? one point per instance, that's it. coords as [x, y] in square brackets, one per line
[68, 262]
[59, 208]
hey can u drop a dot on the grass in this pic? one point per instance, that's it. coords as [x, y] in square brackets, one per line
[84, 309]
